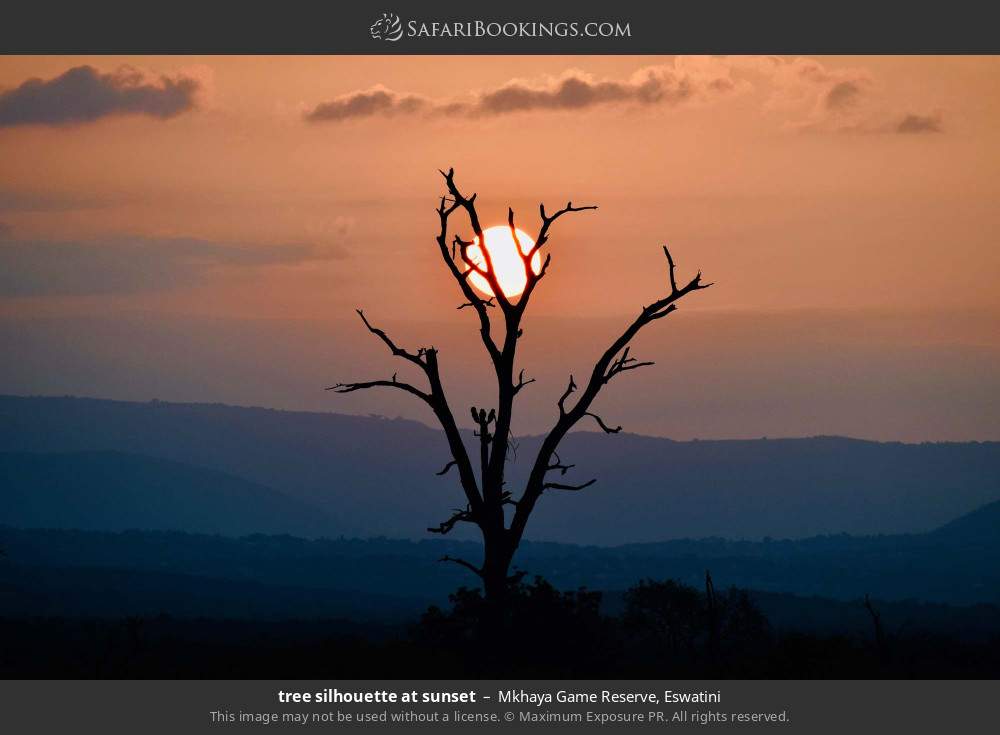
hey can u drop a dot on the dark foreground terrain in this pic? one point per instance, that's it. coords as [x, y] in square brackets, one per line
[662, 630]
[244, 565]
[167, 604]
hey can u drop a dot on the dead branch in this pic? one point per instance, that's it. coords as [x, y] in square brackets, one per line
[543, 234]
[487, 272]
[397, 351]
[613, 361]
[566, 394]
[624, 363]
[462, 562]
[426, 358]
[447, 467]
[484, 302]
[670, 269]
[458, 516]
[351, 387]
[543, 238]
[521, 382]
[561, 486]
[445, 211]
[600, 422]
[558, 465]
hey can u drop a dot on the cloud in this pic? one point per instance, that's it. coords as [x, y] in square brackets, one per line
[815, 98]
[912, 123]
[83, 94]
[132, 265]
[807, 94]
[575, 90]
[818, 99]
[572, 92]
[375, 101]
[843, 96]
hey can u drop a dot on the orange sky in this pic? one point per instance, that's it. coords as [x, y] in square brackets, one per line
[800, 186]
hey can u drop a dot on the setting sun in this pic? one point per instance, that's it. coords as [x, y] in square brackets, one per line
[508, 265]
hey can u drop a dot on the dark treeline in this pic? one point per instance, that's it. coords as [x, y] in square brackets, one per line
[959, 564]
[171, 604]
[663, 630]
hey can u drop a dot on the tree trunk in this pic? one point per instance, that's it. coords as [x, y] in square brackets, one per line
[496, 564]
[493, 625]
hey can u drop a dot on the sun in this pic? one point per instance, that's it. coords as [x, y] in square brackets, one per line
[507, 264]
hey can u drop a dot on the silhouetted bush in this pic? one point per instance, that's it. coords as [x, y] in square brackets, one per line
[672, 629]
[539, 633]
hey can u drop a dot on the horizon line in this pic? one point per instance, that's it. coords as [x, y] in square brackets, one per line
[423, 425]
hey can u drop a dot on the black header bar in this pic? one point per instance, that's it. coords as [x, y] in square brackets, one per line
[509, 27]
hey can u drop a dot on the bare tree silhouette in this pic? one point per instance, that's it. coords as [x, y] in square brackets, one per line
[486, 497]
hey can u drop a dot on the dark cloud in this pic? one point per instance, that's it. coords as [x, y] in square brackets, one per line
[377, 101]
[919, 124]
[843, 95]
[5, 230]
[569, 93]
[46, 267]
[83, 94]
[660, 85]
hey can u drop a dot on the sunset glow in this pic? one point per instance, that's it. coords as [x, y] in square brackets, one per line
[230, 222]
[509, 267]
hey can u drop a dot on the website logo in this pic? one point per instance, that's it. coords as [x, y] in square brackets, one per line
[387, 28]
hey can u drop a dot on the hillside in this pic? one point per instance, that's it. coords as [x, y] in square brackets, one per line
[982, 523]
[934, 567]
[116, 491]
[375, 477]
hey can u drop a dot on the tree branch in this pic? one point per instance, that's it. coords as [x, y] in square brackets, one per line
[613, 361]
[458, 516]
[543, 238]
[427, 360]
[397, 351]
[462, 562]
[558, 465]
[444, 212]
[521, 382]
[485, 302]
[624, 363]
[670, 269]
[469, 205]
[561, 486]
[543, 234]
[566, 394]
[447, 467]
[351, 387]
[600, 422]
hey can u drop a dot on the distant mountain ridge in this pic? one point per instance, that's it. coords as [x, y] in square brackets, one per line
[375, 477]
[938, 567]
[982, 523]
[117, 491]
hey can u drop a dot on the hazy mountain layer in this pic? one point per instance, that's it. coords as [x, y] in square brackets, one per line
[373, 476]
